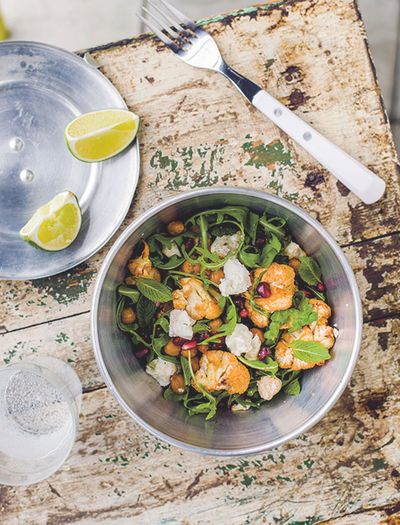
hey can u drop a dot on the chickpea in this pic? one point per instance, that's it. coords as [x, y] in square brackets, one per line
[294, 263]
[187, 267]
[215, 325]
[216, 276]
[185, 353]
[202, 348]
[172, 349]
[128, 315]
[178, 384]
[130, 281]
[195, 364]
[258, 332]
[176, 227]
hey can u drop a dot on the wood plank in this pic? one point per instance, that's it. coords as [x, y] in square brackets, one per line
[375, 263]
[119, 474]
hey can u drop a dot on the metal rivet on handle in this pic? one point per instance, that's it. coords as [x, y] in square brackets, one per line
[277, 112]
[307, 136]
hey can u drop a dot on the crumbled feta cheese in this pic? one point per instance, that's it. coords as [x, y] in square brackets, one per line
[161, 370]
[293, 250]
[268, 387]
[173, 250]
[225, 244]
[335, 332]
[239, 408]
[180, 324]
[236, 278]
[242, 341]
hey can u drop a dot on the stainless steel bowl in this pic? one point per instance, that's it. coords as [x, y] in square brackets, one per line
[230, 433]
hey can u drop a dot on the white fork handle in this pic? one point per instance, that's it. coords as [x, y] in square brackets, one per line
[359, 179]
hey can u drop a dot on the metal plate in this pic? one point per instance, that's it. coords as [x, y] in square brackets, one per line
[42, 88]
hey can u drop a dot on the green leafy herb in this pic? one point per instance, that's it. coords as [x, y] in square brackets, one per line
[249, 256]
[309, 270]
[131, 329]
[145, 310]
[228, 327]
[186, 370]
[154, 290]
[275, 225]
[270, 251]
[269, 366]
[309, 351]
[252, 225]
[227, 228]
[170, 395]
[129, 292]
[211, 407]
[293, 388]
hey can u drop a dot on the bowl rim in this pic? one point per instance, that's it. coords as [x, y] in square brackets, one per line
[229, 190]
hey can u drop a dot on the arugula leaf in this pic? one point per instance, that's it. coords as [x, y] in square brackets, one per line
[172, 263]
[309, 270]
[186, 370]
[293, 388]
[270, 251]
[275, 225]
[249, 256]
[269, 366]
[129, 292]
[145, 310]
[309, 351]
[295, 317]
[211, 406]
[154, 290]
[252, 225]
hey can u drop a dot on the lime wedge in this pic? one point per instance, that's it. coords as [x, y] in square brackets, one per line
[55, 225]
[101, 134]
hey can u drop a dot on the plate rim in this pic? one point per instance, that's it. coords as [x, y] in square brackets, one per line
[134, 150]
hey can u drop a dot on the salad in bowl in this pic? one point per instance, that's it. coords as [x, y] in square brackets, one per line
[225, 311]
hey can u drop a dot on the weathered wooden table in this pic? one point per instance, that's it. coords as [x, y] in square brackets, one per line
[198, 131]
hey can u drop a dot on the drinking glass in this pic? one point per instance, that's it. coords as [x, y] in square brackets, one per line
[39, 413]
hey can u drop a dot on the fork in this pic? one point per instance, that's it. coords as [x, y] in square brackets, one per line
[196, 47]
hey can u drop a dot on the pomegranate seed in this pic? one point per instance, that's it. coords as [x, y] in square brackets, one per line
[179, 341]
[239, 301]
[306, 293]
[320, 287]
[243, 313]
[264, 352]
[264, 290]
[189, 243]
[189, 345]
[260, 241]
[142, 353]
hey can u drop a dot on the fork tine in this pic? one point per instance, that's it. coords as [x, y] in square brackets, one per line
[157, 32]
[183, 19]
[169, 19]
[176, 38]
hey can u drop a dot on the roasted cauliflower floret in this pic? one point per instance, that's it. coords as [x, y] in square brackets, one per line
[221, 370]
[268, 387]
[195, 299]
[324, 334]
[284, 353]
[323, 311]
[142, 266]
[280, 279]
[257, 318]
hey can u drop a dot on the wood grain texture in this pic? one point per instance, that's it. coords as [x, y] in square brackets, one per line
[197, 131]
[119, 474]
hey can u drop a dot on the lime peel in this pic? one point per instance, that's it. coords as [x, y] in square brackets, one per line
[100, 135]
[55, 225]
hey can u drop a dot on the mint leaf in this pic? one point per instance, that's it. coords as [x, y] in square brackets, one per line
[129, 292]
[309, 351]
[145, 310]
[303, 316]
[309, 270]
[293, 388]
[154, 290]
